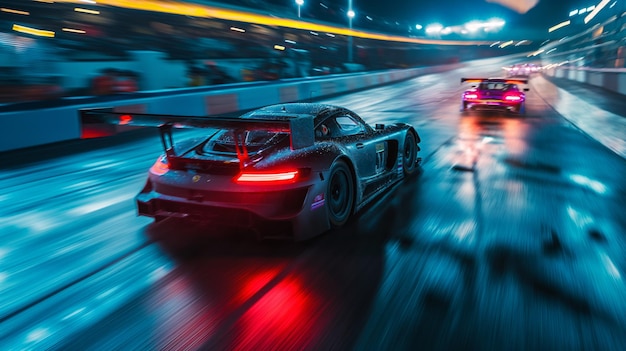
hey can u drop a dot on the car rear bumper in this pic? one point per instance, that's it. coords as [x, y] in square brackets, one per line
[492, 105]
[291, 214]
[228, 207]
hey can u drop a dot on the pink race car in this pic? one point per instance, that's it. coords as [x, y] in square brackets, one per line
[495, 93]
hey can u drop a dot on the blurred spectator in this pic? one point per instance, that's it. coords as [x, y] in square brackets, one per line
[103, 83]
[125, 81]
[195, 76]
[114, 81]
[215, 75]
[272, 69]
[247, 75]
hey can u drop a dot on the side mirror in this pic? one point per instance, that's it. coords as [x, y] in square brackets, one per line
[380, 126]
[526, 89]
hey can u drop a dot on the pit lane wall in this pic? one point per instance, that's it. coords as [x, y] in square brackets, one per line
[23, 129]
[613, 79]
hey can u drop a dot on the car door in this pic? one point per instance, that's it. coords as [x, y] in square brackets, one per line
[369, 155]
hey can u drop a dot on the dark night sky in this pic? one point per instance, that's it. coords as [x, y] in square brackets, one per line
[455, 12]
[461, 11]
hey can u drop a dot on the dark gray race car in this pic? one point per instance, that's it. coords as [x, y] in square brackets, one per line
[289, 170]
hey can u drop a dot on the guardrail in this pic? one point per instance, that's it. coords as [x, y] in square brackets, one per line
[613, 79]
[29, 128]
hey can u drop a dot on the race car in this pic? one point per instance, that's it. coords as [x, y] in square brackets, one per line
[291, 170]
[522, 70]
[495, 93]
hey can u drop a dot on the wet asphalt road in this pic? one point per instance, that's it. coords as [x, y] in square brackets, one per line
[511, 238]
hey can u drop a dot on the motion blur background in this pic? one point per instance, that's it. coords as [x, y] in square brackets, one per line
[54, 49]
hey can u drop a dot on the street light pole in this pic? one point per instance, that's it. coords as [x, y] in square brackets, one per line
[351, 15]
[299, 3]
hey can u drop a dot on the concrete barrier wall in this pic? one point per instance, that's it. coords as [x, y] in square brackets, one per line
[22, 129]
[613, 79]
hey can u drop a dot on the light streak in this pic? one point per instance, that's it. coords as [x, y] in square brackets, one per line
[17, 12]
[33, 31]
[595, 11]
[198, 10]
[558, 26]
[87, 11]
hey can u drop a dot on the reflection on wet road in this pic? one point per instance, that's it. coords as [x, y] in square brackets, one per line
[511, 238]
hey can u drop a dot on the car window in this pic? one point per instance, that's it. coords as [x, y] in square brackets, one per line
[338, 126]
[225, 140]
[493, 86]
[348, 125]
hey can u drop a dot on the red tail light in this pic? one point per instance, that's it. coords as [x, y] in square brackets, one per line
[160, 167]
[470, 96]
[125, 119]
[280, 177]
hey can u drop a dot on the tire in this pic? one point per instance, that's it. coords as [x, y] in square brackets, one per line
[340, 194]
[409, 154]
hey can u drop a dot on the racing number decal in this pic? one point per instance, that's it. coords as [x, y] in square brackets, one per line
[380, 157]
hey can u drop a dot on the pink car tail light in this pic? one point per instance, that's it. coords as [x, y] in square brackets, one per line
[471, 96]
[512, 98]
[267, 177]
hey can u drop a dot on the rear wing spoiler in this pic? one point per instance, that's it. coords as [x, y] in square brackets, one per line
[496, 80]
[97, 122]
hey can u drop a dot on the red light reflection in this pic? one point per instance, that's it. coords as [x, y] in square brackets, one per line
[285, 318]
[256, 283]
[97, 131]
[516, 136]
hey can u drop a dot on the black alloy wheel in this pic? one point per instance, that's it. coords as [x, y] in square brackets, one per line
[340, 194]
[409, 155]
